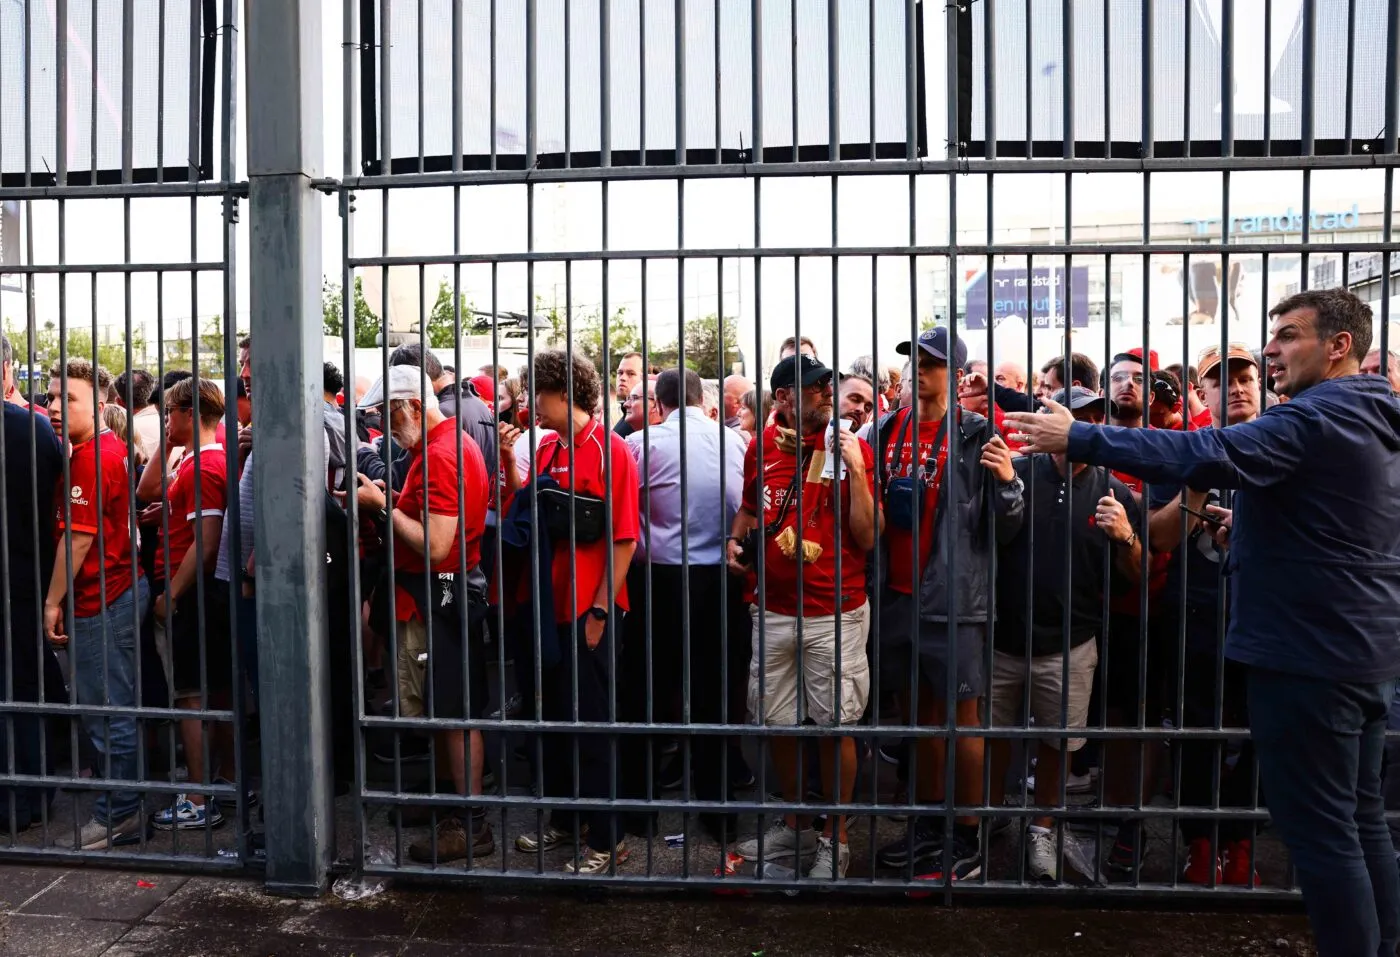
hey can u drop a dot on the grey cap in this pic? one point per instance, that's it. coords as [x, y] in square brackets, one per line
[405, 382]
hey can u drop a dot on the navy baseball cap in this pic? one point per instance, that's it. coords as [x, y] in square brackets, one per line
[1080, 398]
[935, 342]
[787, 372]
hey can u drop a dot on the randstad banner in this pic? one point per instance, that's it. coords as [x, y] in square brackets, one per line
[1042, 301]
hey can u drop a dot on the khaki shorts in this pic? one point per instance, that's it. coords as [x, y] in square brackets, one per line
[412, 667]
[816, 679]
[1047, 687]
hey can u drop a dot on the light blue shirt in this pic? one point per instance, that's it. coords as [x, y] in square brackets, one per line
[712, 495]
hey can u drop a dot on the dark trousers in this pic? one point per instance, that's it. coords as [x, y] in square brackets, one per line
[27, 666]
[659, 624]
[1320, 745]
[596, 765]
[1200, 759]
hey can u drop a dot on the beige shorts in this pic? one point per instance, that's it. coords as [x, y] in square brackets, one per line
[1047, 687]
[782, 680]
[412, 667]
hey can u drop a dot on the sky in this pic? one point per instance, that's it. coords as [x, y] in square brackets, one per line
[849, 307]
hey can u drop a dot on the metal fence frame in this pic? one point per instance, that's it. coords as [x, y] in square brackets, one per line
[284, 183]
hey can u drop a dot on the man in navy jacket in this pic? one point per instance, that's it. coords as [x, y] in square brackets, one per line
[1314, 556]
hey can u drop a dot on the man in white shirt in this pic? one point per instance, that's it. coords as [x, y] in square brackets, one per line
[683, 551]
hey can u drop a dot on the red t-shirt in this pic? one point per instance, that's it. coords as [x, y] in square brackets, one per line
[1201, 421]
[582, 464]
[781, 572]
[184, 511]
[433, 491]
[1005, 431]
[115, 560]
[900, 462]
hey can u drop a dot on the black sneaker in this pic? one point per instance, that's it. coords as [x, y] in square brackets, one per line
[1129, 849]
[925, 841]
[965, 863]
[412, 750]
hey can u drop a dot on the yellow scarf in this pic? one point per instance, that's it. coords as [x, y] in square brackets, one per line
[788, 441]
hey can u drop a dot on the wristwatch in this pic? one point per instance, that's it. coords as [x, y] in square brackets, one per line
[1132, 540]
[601, 614]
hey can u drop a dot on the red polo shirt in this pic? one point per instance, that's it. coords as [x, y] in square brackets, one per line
[430, 488]
[902, 460]
[819, 584]
[582, 466]
[114, 561]
[184, 511]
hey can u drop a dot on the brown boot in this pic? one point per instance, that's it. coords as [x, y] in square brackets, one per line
[450, 843]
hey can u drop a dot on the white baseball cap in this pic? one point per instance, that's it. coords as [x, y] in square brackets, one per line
[405, 382]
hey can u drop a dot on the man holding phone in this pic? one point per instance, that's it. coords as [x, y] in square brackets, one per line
[814, 577]
[1181, 525]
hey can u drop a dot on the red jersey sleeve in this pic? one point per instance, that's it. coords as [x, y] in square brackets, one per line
[750, 500]
[440, 481]
[82, 496]
[868, 454]
[626, 511]
[213, 487]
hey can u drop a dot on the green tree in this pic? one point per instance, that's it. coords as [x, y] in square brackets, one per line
[367, 324]
[702, 346]
[442, 326]
[110, 355]
[588, 338]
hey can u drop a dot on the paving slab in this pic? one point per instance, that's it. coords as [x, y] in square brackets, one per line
[110, 895]
[28, 935]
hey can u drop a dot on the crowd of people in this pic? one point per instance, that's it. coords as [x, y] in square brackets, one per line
[660, 548]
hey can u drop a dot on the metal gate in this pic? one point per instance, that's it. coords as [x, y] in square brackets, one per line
[118, 176]
[577, 193]
[693, 182]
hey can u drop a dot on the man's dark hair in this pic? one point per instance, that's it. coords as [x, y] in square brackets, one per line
[7, 351]
[552, 370]
[331, 379]
[1081, 369]
[668, 388]
[240, 389]
[858, 376]
[1337, 311]
[166, 381]
[141, 383]
[246, 342]
[795, 344]
[413, 354]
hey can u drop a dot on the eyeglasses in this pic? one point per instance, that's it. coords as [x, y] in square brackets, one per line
[1123, 378]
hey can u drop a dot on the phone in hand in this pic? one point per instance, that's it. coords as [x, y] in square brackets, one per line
[1201, 515]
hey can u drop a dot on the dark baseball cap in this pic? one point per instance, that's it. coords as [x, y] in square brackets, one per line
[1080, 398]
[935, 342]
[786, 373]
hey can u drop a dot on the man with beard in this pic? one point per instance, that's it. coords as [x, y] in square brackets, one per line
[1315, 582]
[1232, 389]
[793, 493]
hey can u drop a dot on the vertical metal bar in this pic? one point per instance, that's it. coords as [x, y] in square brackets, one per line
[492, 132]
[756, 110]
[1148, 143]
[1349, 101]
[792, 78]
[61, 104]
[195, 118]
[833, 93]
[605, 91]
[128, 56]
[349, 318]
[284, 148]
[719, 125]
[989, 91]
[160, 92]
[1269, 74]
[457, 58]
[1227, 87]
[92, 101]
[1392, 82]
[1186, 77]
[568, 85]
[1029, 94]
[1067, 86]
[680, 124]
[641, 88]
[1107, 95]
[911, 75]
[1308, 103]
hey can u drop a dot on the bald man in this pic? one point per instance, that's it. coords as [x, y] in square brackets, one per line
[362, 385]
[735, 388]
[1012, 375]
[1372, 366]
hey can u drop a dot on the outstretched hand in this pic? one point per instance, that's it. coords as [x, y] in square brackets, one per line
[1046, 431]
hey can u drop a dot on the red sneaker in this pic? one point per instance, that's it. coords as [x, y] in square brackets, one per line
[1237, 869]
[1199, 862]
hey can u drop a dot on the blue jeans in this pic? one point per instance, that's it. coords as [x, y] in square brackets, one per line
[1319, 745]
[103, 650]
[1392, 773]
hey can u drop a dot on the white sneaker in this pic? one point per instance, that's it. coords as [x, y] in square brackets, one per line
[779, 843]
[1041, 862]
[827, 854]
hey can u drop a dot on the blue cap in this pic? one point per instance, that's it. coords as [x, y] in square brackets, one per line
[935, 342]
